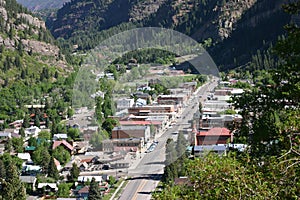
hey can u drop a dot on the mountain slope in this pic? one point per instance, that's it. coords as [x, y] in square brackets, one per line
[36, 5]
[31, 65]
[97, 15]
[227, 23]
[26, 46]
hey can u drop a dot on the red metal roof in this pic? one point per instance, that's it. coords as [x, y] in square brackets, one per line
[215, 131]
[64, 142]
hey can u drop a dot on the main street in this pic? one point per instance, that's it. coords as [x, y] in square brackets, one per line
[147, 174]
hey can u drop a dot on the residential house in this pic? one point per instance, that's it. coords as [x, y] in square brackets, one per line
[104, 188]
[57, 164]
[16, 124]
[83, 192]
[31, 169]
[141, 95]
[30, 181]
[84, 179]
[60, 136]
[32, 131]
[63, 143]
[81, 147]
[24, 156]
[124, 103]
[47, 187]
[141, 102]
[5, 135]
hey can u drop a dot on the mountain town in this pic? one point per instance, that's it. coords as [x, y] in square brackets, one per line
[149, 99]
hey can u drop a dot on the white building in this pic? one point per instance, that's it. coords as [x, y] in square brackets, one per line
[124, 103]
[32, 131]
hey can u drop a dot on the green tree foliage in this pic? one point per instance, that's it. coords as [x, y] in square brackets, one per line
[264, 108]
[2, 170]
[22, 132]
[44, 135]
[98, 110]
[94, 191]
[63, 190]
[98, 137]
[17, 144]
[215, 177]
[171, 154]
[73, 133]
[32, 142]
[12, 187]
[109, 124]
[26, 121]
[74, 173]
[52, 170]
[61, 154]
[41, 156]
[181, 144]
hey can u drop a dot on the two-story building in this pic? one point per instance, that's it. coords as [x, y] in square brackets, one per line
[122, 132]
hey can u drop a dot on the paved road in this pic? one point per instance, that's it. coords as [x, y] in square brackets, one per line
[147, 174]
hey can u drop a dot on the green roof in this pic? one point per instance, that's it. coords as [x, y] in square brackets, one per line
[78, 187]
[30, 148]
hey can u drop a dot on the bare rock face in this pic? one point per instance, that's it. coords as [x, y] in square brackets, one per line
[231, 12]
[40, 47]
[3, 12]
[33, 20]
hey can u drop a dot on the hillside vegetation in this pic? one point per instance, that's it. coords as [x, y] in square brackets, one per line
[236, 29]
[36, 5]
[30, 62]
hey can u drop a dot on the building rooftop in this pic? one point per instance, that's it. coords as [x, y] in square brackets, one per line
[217, 131]
[134, 127]
[210, 148]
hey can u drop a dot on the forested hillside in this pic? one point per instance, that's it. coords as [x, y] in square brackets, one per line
[254, 24]
[36, 5]
[30, 62]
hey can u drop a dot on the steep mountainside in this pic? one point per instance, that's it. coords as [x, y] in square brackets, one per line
[35, 5]
[226, 22]
[27, 47]
[96, 15]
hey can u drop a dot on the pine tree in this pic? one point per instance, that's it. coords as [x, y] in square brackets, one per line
[2, 170]
[52, 170]
[22, 132]
[37, 121]
[98, 110]
[171, 155]
[74, 173]
[181, 145]
[94, 191]
[26, 122]
[13, 187]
